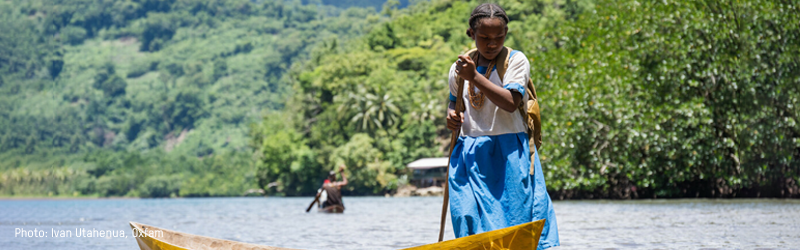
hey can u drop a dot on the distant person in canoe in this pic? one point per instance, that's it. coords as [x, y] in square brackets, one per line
[330, 194]
[492, 183]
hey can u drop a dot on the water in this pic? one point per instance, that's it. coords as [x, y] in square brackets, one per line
[392, 223]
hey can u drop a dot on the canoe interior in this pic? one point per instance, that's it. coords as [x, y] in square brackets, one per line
[148, 238]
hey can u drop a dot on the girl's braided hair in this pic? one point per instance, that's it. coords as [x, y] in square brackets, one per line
[486, 10]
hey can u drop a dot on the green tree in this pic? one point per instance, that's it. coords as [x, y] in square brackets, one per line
[285, 162]
[73, 35]
[370, 110]
[109, 82]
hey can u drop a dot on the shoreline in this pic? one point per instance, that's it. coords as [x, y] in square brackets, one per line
[17, 198]
[649, 200]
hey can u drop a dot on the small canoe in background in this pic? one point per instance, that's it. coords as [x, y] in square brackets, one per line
[333, 209]
[525, 236]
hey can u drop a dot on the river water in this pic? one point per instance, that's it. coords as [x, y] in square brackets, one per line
[393, 223]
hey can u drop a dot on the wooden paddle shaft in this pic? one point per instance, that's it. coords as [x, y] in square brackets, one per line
[453, 139]
[315, 201]
[460, 107]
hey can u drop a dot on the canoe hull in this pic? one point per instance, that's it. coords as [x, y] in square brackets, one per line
[525, 236]
[335, 209]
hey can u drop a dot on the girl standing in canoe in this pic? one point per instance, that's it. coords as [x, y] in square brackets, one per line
[489, 182]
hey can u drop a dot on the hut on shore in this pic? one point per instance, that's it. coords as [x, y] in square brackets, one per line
[428, 172]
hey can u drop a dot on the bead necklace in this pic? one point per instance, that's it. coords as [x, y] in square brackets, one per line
[476, 100]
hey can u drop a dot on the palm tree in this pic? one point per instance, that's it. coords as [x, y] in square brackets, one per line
[425, 110]
[370, 110]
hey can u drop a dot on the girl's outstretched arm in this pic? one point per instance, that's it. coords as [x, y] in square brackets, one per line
[505, 99]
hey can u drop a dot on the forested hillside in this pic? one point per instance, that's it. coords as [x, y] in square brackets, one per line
[156, 98]
[149, 97]
[639, 99]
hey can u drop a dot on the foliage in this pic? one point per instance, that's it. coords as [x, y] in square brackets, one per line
[285, 160]
[377, 104]
[672, 99]
[156, 98]
[116, 92]
[650, 99]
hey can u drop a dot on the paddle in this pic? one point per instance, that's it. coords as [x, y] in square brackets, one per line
[460, 107]
[316, 199]
[453, 139]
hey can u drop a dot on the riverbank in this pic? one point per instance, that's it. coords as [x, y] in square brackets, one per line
[415, 192]
[80, 197]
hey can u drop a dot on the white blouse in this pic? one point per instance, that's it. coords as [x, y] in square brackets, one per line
[490, 119]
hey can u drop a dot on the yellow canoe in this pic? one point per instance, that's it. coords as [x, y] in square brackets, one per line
[525, 236]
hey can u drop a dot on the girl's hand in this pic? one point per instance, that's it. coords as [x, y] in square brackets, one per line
[465, 68]
[454, 120]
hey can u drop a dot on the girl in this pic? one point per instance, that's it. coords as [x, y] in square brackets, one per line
[489, 181]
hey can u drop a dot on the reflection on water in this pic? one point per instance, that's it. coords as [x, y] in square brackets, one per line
[391, 223]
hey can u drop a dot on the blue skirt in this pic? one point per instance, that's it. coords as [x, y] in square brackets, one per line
[491, 188]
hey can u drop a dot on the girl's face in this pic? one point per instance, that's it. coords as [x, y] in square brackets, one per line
[489, 37]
